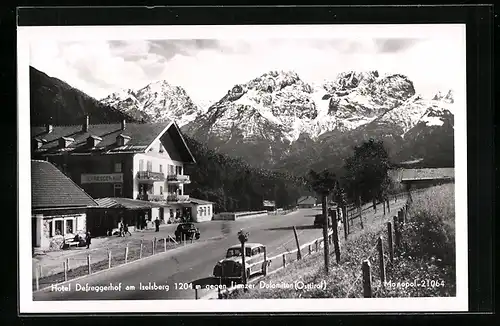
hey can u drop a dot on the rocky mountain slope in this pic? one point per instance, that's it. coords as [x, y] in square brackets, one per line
[269, 119]
[158, 101]
[53, 100]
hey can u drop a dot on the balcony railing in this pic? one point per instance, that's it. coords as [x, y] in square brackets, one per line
[151, 197]
[178, 178]
[177, 198]
[150, 176]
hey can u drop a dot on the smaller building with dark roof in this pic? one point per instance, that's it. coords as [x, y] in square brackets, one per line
[306, 202]
[58, 206]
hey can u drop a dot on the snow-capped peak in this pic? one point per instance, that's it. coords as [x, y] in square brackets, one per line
[158, 101]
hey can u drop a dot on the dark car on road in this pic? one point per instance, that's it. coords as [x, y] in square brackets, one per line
[187, 231]
[319, 221]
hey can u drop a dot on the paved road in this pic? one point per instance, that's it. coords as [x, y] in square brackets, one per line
[192, 263]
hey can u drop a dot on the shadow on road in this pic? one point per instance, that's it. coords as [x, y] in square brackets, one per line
[289, 228]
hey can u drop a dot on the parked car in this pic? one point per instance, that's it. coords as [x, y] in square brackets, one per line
[186, 231]
[230, 267]
[319, 221]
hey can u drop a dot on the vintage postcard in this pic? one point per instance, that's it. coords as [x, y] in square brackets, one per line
[207, 168]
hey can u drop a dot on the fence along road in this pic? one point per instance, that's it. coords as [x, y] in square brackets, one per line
[192, 263]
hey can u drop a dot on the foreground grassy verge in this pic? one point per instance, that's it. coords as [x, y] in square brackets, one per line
[427, 258]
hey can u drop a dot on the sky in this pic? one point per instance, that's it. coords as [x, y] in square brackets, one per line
[207, 67]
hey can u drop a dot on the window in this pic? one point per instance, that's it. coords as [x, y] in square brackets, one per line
[58, 227]
[161, 149]
[150, 166]
[141, 165]
[170, 169]
[118, 167]
[118, 190]
[161, 168]
[208, 209]
[161, 190]
[69, 226]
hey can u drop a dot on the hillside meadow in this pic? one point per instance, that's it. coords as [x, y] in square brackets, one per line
[426, 257]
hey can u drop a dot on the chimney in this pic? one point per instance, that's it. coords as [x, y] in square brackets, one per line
[48, 128]
[85, 125]
[124, 124]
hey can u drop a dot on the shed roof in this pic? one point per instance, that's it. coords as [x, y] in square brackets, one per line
[50, 188]
[125, 203]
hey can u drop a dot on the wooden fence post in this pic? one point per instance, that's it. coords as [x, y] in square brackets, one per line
[400, 216]
[165, 244]
[388, 205]
[153, 245]
[396, 232]
[367, 279]
[383, 204]
[360, 213]
[65, 266]
[109, 258]
[38, 274]
[335, 237]
[264, 271]
[126, 254]
[381, 260]
[195, 293]
[88, 264]
[140, 251]
[299, 254]
[317, 245]
[390, 241]
[344, 221]
[309, 248]
[284, 260]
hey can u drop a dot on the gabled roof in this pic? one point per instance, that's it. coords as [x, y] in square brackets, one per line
[125, 203]
[141, 137]
[306, 200]
[50, 188]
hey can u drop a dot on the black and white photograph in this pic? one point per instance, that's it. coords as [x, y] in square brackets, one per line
[206, 168]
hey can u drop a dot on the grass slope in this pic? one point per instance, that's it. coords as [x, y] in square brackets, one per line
[426, 258]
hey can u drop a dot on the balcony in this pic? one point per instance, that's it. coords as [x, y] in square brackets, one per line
[151, 197]
[178, 178]
[149, 176]
[177, 198]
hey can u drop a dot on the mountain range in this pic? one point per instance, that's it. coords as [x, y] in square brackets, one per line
[279, 121]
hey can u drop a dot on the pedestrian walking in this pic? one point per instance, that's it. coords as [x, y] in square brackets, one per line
[120, 227]
[157, 225]
[88, 239]
[125, 230]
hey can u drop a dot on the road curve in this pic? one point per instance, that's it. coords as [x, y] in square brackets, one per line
[178, 269]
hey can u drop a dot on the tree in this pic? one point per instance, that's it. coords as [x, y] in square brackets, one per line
[366, 171]
[323, 184]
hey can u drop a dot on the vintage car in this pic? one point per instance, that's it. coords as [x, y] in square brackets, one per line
[186, 231]
[230, 266]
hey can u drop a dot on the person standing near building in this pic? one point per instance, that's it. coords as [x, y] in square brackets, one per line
[88, 239]
[125, 230]
[157, 224]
